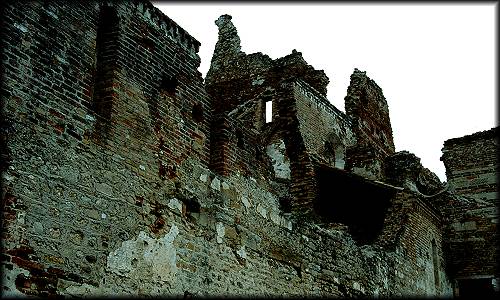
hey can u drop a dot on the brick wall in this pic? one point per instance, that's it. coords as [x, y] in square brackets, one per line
[414, 228]
[107, 188]
[237, 148]
[92, 127]
[326, 130]
[471, 164]
[471, 170]
[365, 104]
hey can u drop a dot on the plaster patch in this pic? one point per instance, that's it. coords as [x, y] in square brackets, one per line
[203, 177]
[215, 184]
[246, 202]
[358, 286]
[8, 281]
[275, 218]
[146, 257]
[219, 227]
[175, 204]
[241, 252]
[7, 177]
[280, 162]
[84, 289]
[262, 211]
[258, 81]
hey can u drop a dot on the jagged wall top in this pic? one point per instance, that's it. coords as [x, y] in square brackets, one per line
[228, 45]
[229, 41]
[366, 105]
[160, 21]
[486, 134]
[322, 101]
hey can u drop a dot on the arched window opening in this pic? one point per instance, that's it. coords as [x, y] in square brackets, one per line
[329, 151]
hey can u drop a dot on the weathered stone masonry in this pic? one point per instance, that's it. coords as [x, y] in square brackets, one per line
[124, 173]
[471, 168]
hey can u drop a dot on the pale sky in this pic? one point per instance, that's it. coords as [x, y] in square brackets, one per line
[434, 63]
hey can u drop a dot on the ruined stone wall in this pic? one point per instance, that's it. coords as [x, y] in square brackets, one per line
[472, 239]
[235, 77]
[238, 148]
[240, 85]
[413, 227]
[98, 105]
[106, 187]
[471, 165]
[471, 169]
[326, 130]
[365, 104]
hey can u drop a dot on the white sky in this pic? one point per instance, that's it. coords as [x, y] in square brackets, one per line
[434, 63]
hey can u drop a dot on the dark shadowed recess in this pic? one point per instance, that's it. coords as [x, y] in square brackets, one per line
[351, 200]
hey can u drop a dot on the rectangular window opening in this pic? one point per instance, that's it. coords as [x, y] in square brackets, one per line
[269, 111]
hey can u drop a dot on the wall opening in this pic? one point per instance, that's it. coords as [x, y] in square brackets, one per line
[473, 288]
[258, 153]
[147, 43]
[353, 201]
[329, 152]
[269, 111]
[197, 112]
[239, 139]
[106, 63]
[285, 204]
[169, 84]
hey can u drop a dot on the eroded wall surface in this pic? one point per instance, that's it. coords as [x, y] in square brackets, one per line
[326, 131]
[471, 165]
[109, 182]
[366, 105]
[471, 168]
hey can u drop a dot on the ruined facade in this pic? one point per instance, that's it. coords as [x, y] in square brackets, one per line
[124, 172]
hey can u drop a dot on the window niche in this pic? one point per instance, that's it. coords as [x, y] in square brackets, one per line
[169, 84]
[258, 153]
[269, 111]
[329, 151]
[103, 96]
[239, 139]
[197, 113]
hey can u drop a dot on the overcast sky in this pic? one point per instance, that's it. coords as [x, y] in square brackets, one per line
[434, 63]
